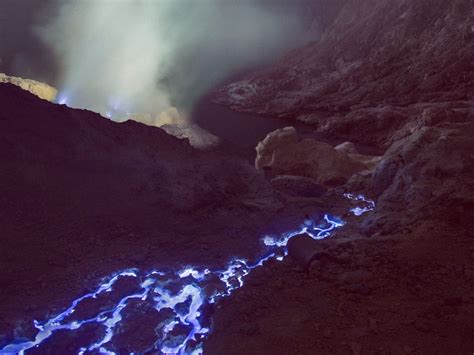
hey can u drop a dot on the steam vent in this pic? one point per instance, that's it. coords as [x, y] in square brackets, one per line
[237, 177]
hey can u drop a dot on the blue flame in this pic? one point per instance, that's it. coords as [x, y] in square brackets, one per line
[319, 232]
[183, 292]
[115, 108]
[369, 205]
[62, 99]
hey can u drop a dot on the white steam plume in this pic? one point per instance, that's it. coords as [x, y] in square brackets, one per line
[129, 56]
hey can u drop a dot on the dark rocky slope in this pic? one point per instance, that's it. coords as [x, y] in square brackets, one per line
[82, 196]
[378, 63]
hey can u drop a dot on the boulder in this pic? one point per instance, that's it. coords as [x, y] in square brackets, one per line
[273, 141]
[285, 154]
[42, 90]
[303, 249]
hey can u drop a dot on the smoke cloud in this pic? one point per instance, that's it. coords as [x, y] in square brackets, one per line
[146, 56]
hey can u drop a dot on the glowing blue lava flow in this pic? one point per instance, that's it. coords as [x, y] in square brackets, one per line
[359, 211]
[184, 293]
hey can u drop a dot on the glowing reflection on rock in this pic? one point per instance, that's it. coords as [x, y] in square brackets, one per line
[183, 293]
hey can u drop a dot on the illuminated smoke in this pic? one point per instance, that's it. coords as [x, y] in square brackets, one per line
[138, 58]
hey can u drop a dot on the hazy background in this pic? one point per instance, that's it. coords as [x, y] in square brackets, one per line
[128, 56]
[21, 52]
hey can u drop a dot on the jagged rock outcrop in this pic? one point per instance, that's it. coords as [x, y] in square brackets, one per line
[42, 90]
[198, 137]
[284, 153]
[303, 249]
[427, 175]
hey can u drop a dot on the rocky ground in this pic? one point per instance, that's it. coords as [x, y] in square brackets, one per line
[403, 293]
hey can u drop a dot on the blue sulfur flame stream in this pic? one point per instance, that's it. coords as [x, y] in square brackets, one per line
[184, 294]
